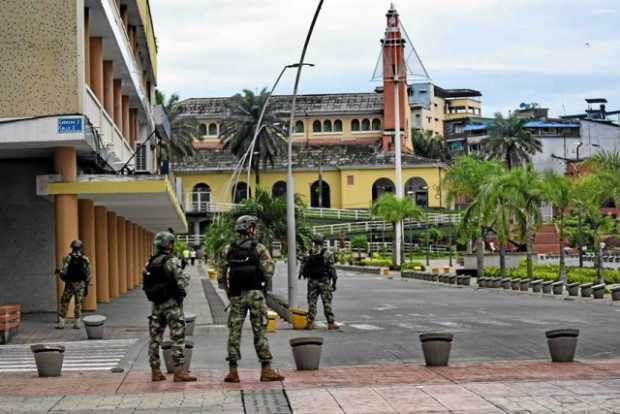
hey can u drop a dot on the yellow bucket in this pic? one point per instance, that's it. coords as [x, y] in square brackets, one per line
[446, 269]
[272, 321]
[299, 318]
[212, 273]
[435, 270]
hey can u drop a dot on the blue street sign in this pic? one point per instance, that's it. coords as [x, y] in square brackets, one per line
[69, 125]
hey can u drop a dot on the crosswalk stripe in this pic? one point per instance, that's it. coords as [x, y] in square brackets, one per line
[79, 355]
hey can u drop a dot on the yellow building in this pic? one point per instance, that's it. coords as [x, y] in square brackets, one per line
[76, 109]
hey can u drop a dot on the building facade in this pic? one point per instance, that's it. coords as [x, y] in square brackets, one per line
[77, 115]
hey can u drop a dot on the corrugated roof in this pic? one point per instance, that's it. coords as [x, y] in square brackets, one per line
[474, 127]
[545, 124]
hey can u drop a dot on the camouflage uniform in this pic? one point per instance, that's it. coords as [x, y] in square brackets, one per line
[170, 314]
[321, 287]
[73, 289]
[249, 300]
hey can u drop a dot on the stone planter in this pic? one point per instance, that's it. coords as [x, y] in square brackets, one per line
[190, 323]
[525, 285]
[506, 283]
[94, 326]
[573, 289]
[466, 280]
[598, 291]
[435, 278]
[536, 285]
[307, 352]
[586, 290]
[452, 279]
[482, 282]
[459, 280]
[495, 283]
[436, 348]
[48, 359]
[562, 344]
[558, 287]
[516, 284]
[166, 346]
[546, 287]
[615, 293]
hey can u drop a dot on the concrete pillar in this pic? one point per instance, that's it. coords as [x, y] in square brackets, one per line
[118, 104]
[132, 120]
[101, 232]
[108, 87]
[136, 256]
[112, 255]
[86, 46]
[86, 231]
[121, 254]
[125, 126]
[134, 127]
[65, 212]
[129, 250]
[96, 67]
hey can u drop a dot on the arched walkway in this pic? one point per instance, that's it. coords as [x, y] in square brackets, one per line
[240, 192]
[382, 185]
[417, 189]
[278, 189]
[320, 194]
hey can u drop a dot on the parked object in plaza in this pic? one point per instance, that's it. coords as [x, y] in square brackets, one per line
[598, 291]
[536, 285]
[48, 359]
[586, 290]
[506, 283]
[516, 284]
[307, 352]
[615, 293]
[436, 348]
[452, 279]
[466, 280]
[562, 344]
[190, 323]
[558, 287]
[524, 285]
[169, 359]
[482, 281]
[546, 287]
[573, 289]
[94, 325]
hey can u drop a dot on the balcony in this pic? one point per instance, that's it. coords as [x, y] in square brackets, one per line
[200, 202]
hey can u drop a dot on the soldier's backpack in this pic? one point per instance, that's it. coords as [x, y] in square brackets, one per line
[157, 283]
[77, 270]
[315, 266]
[245, 271]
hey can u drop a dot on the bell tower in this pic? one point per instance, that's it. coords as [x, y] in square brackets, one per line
[394, 79]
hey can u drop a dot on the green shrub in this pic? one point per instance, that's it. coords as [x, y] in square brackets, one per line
[376, 262]
[412, 265]
[359, 242]
[552, 272]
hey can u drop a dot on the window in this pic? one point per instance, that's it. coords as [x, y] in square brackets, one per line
[337, 125]
[327, 126]
[278, 189]
[350, 179]
[202, 130]
[417, 189]
[240, 193]
[376, 124]
[141, 157]
[316, 126]
[201, 197]
[299, 127]
[381, 186]
[319, 194]
[365, 125]
[355, 125]
[212, 129]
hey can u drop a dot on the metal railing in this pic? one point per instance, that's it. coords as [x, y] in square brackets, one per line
[337, 213]
[380, 225]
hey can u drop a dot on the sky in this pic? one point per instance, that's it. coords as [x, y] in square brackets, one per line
[552, 52]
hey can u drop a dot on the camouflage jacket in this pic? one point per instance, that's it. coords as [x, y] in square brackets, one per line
[329, 259]
[266, 266]
[65, 266]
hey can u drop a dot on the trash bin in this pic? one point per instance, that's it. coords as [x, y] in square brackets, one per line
[307, 352]
[436, 348]
[48, 359]
[562, 344]
[94, 326]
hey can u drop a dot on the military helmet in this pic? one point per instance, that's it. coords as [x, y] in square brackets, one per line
[318, 238]
[164, 240]
[243, 223]
[76, 244]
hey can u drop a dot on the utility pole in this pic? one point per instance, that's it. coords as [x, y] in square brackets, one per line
[397, 154]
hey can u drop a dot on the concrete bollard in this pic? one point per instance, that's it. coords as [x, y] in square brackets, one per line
[586, 290]
[48, 359]
[516, 284]
[573, 289]
[615, 293]
[506, 283]
[546, 287]
[558, 287]
[307, 352]
[598, 291]
[536, 285]
[524, 285]
[466, 280]
[94, 325]
[436, 348]
[562, 344]
[190, 323]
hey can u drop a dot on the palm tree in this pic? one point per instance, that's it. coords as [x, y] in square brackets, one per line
[184, 129]
[427, 145]
[464, 181]
[509, 141]
[558, 190]
[238, 129]
[395, 210]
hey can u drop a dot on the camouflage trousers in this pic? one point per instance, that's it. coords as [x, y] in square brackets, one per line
[72, 289]
[254, 302]
[323, 288]
[168, 314]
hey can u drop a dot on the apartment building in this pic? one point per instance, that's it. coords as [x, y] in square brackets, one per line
[78, 146]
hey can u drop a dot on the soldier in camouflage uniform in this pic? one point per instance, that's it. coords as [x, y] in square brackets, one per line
[75, 272]
[246, 270]
[318, 267]
[164, 284]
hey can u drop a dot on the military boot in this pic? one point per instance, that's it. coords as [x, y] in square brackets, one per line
[233, 375]
[180, 375]
[332, 326]
[157, 375]
[76, 323]
[61, 323]
[269, 374]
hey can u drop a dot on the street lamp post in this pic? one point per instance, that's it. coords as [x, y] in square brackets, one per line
[290, 189]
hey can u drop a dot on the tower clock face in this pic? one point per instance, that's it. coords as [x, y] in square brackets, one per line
[392, 21]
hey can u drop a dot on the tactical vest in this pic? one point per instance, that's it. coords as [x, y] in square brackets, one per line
[157, 282]
[77, 270]
[245, 271]
[315, 266]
